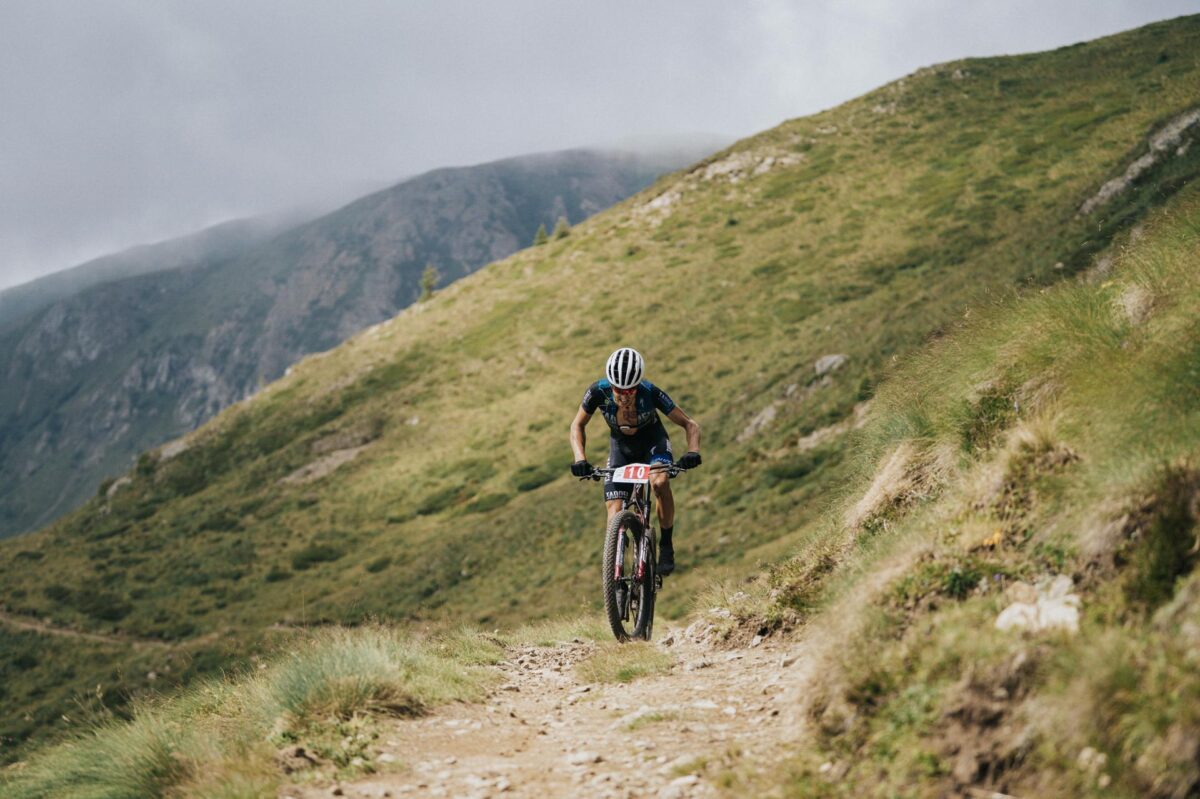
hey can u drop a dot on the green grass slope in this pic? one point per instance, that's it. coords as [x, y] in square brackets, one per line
[418, 472]
[1060, 442]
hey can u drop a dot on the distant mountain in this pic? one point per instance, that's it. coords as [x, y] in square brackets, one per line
[211, 244]
[90, 377]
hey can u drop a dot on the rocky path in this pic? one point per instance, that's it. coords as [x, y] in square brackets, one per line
[545, 733]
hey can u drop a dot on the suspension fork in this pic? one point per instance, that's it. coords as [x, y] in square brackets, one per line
[619, 566]
[644, 544]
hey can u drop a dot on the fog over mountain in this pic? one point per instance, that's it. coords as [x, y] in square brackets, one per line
[133, 122]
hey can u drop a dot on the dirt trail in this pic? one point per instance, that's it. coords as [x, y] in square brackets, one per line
[42, 628]
[546, 734]
[33, 625]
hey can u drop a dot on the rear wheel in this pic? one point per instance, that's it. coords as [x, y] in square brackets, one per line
[628, 599]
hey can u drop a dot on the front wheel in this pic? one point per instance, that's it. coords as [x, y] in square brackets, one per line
[628, 597]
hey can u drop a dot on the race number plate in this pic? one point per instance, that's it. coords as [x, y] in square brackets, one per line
[632, 473]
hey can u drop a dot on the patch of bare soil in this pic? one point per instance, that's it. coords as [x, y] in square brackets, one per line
[323, 465]
[544, 733]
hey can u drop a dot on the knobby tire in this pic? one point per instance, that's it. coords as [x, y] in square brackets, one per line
[643, 622]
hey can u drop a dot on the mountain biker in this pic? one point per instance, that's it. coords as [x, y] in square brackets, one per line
[630, 405]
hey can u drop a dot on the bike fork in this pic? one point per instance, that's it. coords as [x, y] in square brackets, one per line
[617, 567]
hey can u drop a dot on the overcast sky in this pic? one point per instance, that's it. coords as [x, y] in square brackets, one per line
[123, 122]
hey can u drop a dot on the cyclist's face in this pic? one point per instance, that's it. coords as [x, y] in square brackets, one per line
[624, 396]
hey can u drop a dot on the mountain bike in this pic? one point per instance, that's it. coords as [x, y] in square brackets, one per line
[631, 579]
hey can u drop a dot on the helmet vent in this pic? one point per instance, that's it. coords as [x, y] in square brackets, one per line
[624, 368]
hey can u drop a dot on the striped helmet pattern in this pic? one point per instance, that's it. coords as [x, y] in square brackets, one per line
[624, 368]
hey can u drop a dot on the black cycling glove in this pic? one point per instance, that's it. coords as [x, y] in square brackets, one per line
[582, 469]
[689, 461]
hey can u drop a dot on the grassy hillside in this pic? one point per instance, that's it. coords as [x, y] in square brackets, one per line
[1060, 443]
[418, 472]
[962, 506]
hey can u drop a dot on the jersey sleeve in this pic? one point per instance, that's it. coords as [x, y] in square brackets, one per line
[593, 398]
[662, 400]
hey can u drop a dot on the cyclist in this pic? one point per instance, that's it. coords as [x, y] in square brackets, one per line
[630, 405]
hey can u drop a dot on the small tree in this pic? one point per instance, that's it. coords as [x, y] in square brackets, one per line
[540, 237]
[429, 281]
[562, 228]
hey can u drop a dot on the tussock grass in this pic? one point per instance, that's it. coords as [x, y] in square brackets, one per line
[1075, 425]
[219, 739]
[613, 662]
[560, 631]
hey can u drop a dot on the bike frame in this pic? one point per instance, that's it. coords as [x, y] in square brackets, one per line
[641, 502]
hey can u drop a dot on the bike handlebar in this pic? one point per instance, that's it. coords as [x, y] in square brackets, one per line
[672, 470]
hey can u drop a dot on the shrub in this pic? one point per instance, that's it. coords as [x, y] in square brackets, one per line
[440, 500]
[429, 280]
[276, 574]
[1167, 550]
[529, 478]
[102, 605]
[986, 418]
[797, 467]
[221, 520]
[146, 464]
[379, 564]
[486, 502]
[314, 554]
[960, 581]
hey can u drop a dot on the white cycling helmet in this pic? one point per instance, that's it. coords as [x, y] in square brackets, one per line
[624, 368]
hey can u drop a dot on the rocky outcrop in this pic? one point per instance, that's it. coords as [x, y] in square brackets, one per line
[1174, 137]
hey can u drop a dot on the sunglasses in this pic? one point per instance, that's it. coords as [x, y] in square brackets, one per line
[625, 392]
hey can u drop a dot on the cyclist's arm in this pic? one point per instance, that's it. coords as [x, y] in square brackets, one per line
[578, 436]
[689, 424]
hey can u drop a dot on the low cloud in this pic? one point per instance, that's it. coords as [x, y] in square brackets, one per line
[130, 121]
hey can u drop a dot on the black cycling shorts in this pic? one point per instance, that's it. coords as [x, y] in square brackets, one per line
[651, 445]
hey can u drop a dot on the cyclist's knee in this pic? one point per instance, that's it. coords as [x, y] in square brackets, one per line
[661, 485]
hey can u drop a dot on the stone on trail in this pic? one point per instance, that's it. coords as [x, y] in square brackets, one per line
[584, 758]
[679, 787]
[296, 758]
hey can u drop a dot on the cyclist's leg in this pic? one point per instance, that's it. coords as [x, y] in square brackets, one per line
[660, 482]
[615, 494]
[660, 452]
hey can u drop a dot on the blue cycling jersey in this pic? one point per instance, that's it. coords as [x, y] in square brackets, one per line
[642, 416]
